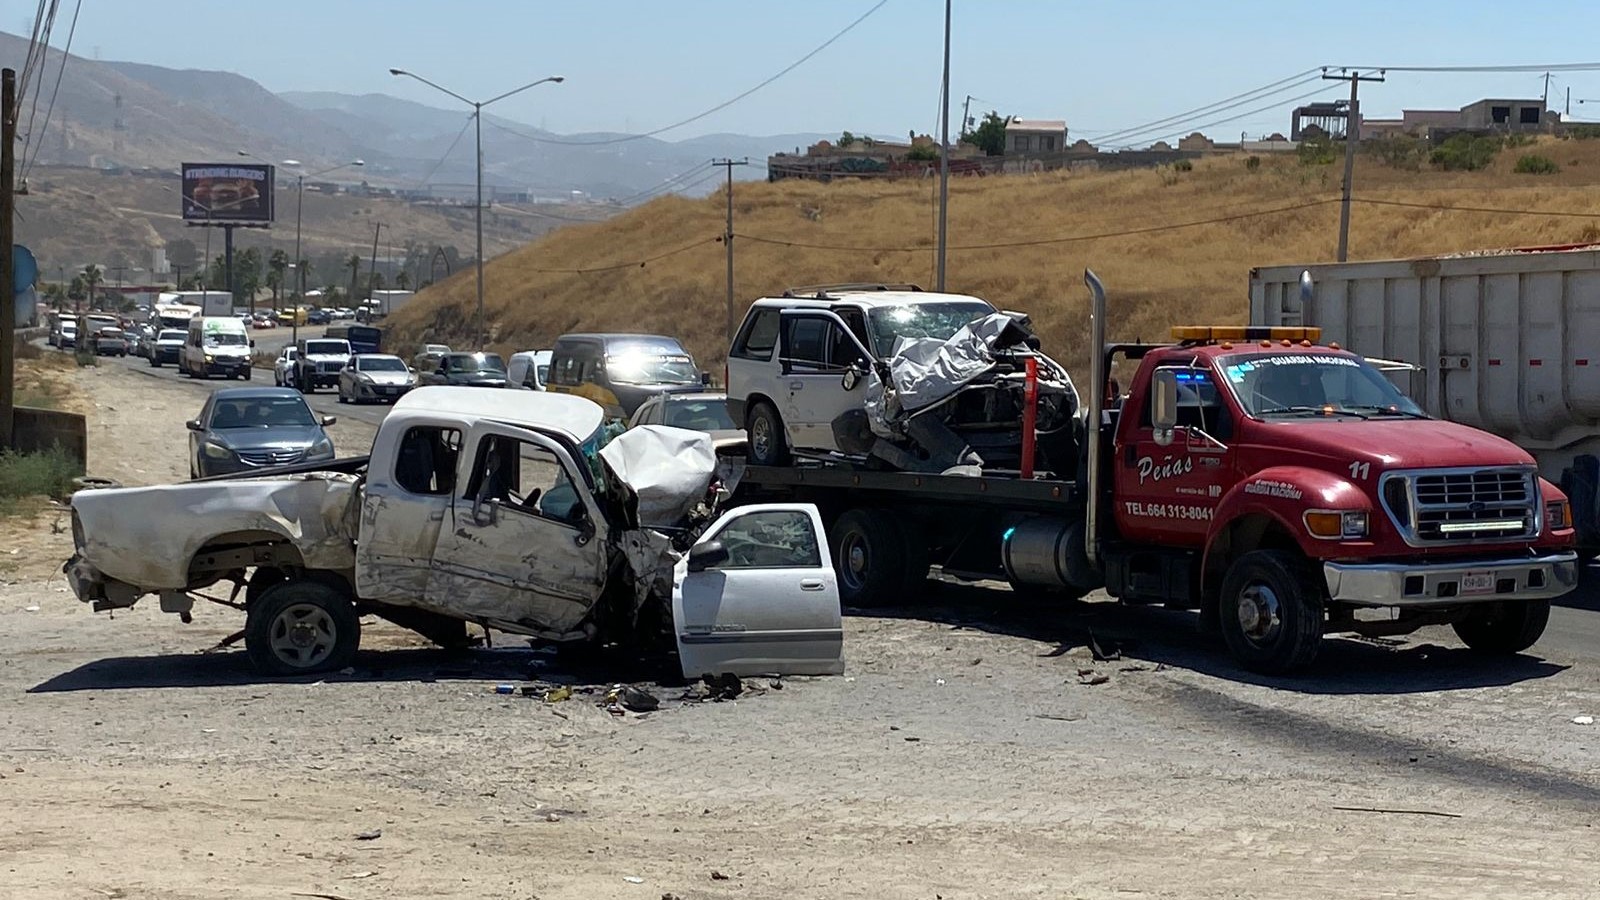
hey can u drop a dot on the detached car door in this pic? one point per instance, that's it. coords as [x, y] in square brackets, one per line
[757, 595]
[524, 541]
[403, 509]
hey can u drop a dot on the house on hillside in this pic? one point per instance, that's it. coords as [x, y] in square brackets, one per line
[1035, 136]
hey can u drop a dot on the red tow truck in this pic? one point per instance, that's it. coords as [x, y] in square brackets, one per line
[1283, 488]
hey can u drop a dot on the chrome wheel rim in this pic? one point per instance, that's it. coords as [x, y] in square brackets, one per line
[761, 437]
[856, 556]
[1260, 614]
[303, 635]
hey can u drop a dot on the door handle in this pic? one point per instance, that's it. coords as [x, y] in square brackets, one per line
[796, 385]
[811, 584]
[436, 516]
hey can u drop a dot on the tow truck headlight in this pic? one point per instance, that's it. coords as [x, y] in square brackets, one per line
[1558, 515]
[1335, 525]
[214, 450]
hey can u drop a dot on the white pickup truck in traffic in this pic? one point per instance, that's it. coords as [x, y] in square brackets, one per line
[518, 511]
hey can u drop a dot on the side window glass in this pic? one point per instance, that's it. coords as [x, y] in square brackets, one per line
[842, 350]
[426, 463]
[525, 478]
[760, 337]
[776, 539]
[808, 347]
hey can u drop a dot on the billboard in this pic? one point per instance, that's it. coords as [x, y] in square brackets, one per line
[227, 193]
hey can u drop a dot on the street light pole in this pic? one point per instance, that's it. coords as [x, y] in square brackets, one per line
[477, 118]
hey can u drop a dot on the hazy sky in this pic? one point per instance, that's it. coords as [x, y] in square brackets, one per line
[634, 65]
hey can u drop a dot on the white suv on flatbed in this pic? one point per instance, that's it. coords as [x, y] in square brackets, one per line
[787, 366]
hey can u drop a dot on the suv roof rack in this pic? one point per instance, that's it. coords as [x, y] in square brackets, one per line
[821, 291]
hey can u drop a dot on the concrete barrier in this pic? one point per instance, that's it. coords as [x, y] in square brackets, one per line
[37, 430]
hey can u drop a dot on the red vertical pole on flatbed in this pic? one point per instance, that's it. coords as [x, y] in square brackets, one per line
[1030, 414]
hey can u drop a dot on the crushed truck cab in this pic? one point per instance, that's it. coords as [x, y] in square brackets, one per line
[518, 511]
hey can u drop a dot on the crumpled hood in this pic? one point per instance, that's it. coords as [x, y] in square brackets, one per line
[1394, 443]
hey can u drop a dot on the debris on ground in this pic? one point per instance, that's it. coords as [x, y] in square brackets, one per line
[1101, 654]
[724, 687]
[1583, 720]
[559, 694]
[633, 879]
[718, 876]
[372, 835]
[1092, 678]
[637, 699]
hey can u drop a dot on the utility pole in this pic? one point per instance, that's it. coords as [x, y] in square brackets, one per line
[944, 152]
[8, 305]
[177, 277]
[372, 269]
[1568, 112]
[966, 114]
[1545, 101]
[727, 234]
[1352, 135]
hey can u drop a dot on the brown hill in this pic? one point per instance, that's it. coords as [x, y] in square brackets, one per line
[1022, 242]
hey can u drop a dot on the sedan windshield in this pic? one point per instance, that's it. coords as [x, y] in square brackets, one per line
[921, 320]
[699, 415]
[651, 368]
[260, 412]
[381, 364]
[1271, 385]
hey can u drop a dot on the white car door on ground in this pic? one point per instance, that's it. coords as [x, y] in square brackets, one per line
[523, 541]
[402, 510]
[757, 595]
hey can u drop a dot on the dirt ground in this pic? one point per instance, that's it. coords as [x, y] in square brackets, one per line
[966, 754]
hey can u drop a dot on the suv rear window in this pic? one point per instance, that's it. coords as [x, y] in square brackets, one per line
[759, 337]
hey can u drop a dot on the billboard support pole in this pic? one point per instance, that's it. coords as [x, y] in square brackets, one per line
[227, 252]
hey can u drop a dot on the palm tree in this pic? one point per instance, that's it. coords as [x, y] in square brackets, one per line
[354, 265]
[277, 264]
[403, 280]
[91, 277]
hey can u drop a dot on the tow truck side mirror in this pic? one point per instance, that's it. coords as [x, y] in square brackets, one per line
[1164, 405]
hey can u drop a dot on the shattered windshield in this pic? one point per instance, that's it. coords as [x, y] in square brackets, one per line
[888, 324]
[1271, 385]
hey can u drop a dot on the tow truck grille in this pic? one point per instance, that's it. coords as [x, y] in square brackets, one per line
[1463, 505]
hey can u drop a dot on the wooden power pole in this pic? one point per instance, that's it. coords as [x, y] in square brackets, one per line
[8, 303]
[1352, 135]
[727, 236]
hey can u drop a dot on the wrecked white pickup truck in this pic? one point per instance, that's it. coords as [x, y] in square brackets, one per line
[519, 511]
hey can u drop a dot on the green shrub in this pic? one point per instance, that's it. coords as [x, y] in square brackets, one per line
[25, 475]
[1252, 163]
[1400, 151]
[1583, 132]
[1519, 140]
[1465, 152]
[1316, 151]
[1184, 165]
[1534, 164]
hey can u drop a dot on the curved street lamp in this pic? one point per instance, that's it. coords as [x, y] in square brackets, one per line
[477, 117]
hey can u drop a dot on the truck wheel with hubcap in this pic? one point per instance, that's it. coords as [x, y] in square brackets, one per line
[768, 446]
[301, 627]
[874, 563]
[1271, 611]
[1503, 627]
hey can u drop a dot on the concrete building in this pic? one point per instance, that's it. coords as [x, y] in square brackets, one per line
[1507, 115]
[1035, 136]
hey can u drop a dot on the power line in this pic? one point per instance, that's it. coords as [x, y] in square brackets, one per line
[464, 126]
[1478, 209]
[665, 184]
[66, 52]
[1068, 239]
[1276, 87]
[1276, 104]
[1541, 68]
[628, 265]
[720, 106]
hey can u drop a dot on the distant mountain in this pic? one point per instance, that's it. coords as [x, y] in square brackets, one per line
[122, 114]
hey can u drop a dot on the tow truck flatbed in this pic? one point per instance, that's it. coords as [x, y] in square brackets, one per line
[994, 488]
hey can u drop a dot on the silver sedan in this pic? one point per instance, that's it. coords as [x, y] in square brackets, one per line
[371, 377]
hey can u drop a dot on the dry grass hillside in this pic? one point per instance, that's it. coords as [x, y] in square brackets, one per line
[1155, 278]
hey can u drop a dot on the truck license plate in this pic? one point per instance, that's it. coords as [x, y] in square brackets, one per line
[1477, 583]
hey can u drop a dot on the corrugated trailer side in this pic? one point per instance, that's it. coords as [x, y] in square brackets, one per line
[1507, 342]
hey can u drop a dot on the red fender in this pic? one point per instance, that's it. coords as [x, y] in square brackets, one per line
[1283, 494]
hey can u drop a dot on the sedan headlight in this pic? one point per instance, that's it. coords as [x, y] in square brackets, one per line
[322, 448]
[214, 450]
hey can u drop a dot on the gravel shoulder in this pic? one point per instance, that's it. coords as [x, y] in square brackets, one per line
[963, 756]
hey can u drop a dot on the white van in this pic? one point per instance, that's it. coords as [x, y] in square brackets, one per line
[529, 370]
[216, 345]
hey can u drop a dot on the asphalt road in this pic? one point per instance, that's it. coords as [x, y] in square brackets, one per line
[1574, 628]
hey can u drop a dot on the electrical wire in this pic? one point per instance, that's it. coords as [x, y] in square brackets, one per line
[464, 126]
[720, 106]
[1494, 210]
[1556, 67]
[664, 184]
[1234, 118]
[1276, 87]
[37, 58]
[66, 52]
[1037, 242]
[627, 265]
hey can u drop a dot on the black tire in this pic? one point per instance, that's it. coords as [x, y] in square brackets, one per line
[871, 557]
[768, 446]
[261, 581]
[1271, 612]
[247, 374]
[1503, 627]
[155, 363]
[301, 628]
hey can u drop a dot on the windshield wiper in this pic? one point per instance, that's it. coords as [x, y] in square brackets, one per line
[1309, 410]
[1388, 411]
